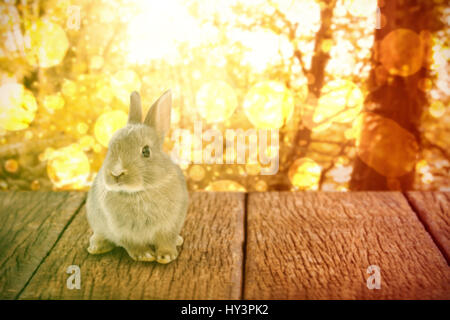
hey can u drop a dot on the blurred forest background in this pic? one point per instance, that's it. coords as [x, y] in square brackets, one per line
[358, 89]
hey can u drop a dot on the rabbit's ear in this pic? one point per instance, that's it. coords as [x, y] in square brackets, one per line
[135, 115]
[158, 116]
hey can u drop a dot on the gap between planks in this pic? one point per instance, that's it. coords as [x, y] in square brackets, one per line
[434, 234]
[53, 246]
[244, 243]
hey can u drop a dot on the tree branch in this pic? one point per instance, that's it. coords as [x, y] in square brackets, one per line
[428, 143]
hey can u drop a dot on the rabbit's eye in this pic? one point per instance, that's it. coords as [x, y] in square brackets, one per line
[146, 151]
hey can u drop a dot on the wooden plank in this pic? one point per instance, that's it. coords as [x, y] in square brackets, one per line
[31, 223]
[208, 267]
[433, 209]
[319, 246]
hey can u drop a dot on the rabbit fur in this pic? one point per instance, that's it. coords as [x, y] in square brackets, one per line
[139, 197]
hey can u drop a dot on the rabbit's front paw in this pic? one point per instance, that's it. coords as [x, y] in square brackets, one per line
[166, 255]
[99, 245]
[146, 255]
[180, 241]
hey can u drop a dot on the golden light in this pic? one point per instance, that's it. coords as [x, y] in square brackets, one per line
[82, 128]
[104, 91]
[354, 131]
[68, 168]
[422, 166]
[402, 52]
[340, 101]
[304, 174]
[269, 105]
[97, 148]
[437, 109]
[48, 152]
[53, 102]
[327, 44]
[225, 185]
[86, 143]
[306, 13]
[107, 124]
[341, 174]
[386, 146]
[48, 44]
[261, 186]
[196, 172]
[427, 178]
[11, 165]
[216, 101]
[35, 185]
[440, 64]
[155, 32]
[96, 62]
[425, 84]
[343, 59]
[175, 116]
[69, 88]
[361, 8]
[123, 83]
[253, 169]
[263, 47]
[17, 107]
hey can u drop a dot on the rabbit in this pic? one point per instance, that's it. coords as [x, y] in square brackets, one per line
[139, 198]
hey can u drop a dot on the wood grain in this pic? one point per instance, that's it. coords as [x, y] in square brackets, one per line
[208, 267]
[319, 246]
[433, 209]
[31, 223]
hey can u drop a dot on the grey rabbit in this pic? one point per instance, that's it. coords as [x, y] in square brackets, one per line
[139, 197]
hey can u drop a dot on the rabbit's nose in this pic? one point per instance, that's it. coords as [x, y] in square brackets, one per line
[118, 173]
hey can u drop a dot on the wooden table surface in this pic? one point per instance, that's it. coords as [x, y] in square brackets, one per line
[273, 245]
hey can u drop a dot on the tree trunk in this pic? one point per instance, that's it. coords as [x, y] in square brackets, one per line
[394, 96]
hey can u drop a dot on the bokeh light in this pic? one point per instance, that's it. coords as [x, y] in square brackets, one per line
[160, 25]
[86, 143]
[269, 105]
[123, 83]
[304, 174]
[437, 109]
[53, 102]
[216, 101]
[263, 48]
[306, 13]
[68, 168]
[225, 185]
[341, 174]
[253, 169]
[11, 166]
[48, 44]
[385, 146]
[261, 186]
[361, 8]
[402, 52]
[17, 107]
[107, 124]
[196, 172]
[340, 101]
[35, 185]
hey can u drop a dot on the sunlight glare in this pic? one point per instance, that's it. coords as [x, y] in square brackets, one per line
[156, 31]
